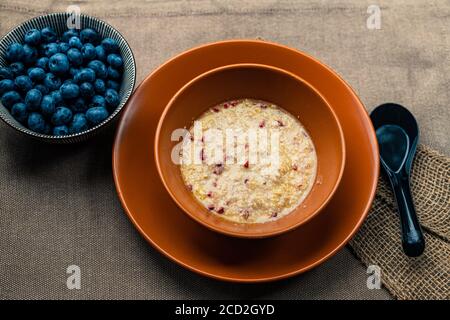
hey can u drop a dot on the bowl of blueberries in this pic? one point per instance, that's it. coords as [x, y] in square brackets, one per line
[62, 85]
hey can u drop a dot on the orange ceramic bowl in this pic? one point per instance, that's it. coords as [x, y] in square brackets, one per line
[258, 82]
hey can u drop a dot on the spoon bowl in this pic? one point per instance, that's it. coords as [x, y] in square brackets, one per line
[394, 146]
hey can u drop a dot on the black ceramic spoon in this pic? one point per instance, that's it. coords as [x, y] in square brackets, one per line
[398, 134]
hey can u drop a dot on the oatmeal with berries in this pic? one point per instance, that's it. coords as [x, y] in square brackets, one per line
[248, 161]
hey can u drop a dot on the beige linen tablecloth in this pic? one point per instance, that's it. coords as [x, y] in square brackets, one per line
[58, 205]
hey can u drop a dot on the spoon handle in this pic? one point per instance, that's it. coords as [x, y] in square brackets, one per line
[413, 241]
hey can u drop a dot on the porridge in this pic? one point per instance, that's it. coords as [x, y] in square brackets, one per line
[256, 162]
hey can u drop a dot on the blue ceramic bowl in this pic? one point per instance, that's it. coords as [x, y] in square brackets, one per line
[58, 21]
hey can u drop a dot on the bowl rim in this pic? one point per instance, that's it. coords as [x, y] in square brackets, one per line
[111, 117]
[246, 234]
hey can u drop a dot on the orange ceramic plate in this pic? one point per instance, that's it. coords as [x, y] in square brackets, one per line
[197, 248]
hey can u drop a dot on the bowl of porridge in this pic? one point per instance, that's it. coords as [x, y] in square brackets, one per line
[249, 150]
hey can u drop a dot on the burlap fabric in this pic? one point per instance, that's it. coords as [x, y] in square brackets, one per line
[378, 241]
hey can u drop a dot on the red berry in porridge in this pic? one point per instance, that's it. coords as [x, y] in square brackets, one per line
[257, 162]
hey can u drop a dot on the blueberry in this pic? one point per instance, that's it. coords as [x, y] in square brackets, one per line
[99, 86]
[113, 85]
[112, 98]
[47, 129]
[78, 105]
[19, 112]
[73, 71]
[85, 75]
[96, 115]
[89, 35]
[61, 116]
[115, 60]
[17, 68]
[30, 54]
[41, 49]
[79, 123]
[88, 51]
[63, 47]
[33, 37]
[6, 85]
[69, 34]
[43, 89]
[59, 63]
[99, 68]
[113, 73]
[75, 42]
[23, 83]
[48, 35]
[67, 81]
[6, 73]
[74, 56]
[52, 82]
[36, 122]
[69, 91]
[42, 63]
[56, 95]
[48, 105]
[10, 98]
[110, 45]
[86, 90]
[36, 74]
[98, 101]
[33, 99]
[51, 49]
[15, 52]
[60, 130]
[100, 53]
